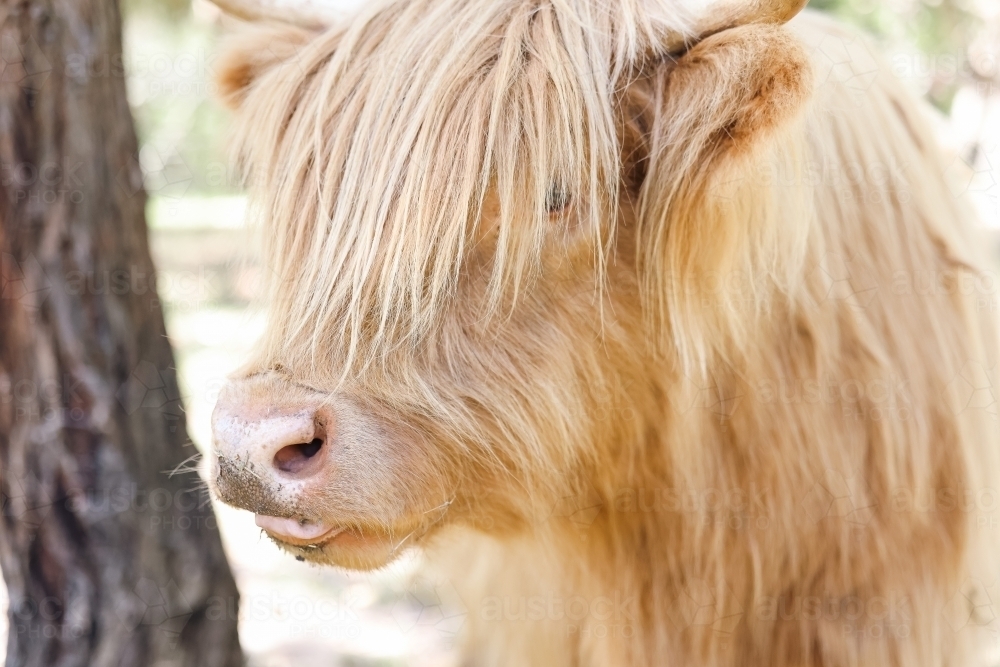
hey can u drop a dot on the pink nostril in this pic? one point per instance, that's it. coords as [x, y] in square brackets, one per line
[293, 459]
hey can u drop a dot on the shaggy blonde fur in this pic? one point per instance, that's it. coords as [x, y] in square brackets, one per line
[729, 307]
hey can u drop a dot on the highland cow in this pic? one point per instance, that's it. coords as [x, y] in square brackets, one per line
[613, 309]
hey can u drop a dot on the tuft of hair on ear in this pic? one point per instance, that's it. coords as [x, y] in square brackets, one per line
[715, 240]
[248, 55]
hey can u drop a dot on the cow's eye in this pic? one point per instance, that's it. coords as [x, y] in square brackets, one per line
[557, 199]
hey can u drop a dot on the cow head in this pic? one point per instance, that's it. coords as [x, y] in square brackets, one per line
[488, 226]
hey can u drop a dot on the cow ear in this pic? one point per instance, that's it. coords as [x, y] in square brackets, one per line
[248, 56]
[714, 116]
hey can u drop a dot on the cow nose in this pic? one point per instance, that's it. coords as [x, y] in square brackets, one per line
[291, 446]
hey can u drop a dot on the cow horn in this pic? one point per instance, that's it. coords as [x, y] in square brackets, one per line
[248, 10]
[774, 12]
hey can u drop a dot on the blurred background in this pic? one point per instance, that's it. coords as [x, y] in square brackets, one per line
[947, 51]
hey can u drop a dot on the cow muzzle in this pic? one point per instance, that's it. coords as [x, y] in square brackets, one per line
[272, 458]
[325, 475]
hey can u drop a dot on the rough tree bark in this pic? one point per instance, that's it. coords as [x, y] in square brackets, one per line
[107, 559]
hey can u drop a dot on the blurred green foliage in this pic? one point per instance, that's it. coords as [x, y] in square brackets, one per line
[939, 29]
[170, 54]
[167, 9]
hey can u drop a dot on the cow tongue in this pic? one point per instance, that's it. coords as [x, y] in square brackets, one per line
[292, 527]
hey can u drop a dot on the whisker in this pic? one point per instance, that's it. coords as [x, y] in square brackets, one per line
[185, 466]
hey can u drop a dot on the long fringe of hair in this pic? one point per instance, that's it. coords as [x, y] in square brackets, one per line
[373, 148]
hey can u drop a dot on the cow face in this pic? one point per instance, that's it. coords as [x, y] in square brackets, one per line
[483, 227]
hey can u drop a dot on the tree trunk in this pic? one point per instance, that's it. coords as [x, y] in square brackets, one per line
[108, 560]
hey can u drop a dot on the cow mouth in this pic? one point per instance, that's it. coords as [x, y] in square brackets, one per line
[298, 532]
[317, 541]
